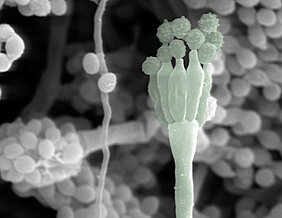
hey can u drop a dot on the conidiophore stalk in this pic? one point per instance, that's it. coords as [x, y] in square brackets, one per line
[195, 79]
[183, 140]
[202, 114]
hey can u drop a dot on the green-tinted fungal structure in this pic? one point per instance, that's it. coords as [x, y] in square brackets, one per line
[177, 84]
[183, 140]
[165, 33]
[163, 74]
[181, 95]
[195, 38]
[180, 27]
[206, 53]
[150, 67]
[208, 23]
[195, 78]
[177, 49]
[202, 114]
[216, 38]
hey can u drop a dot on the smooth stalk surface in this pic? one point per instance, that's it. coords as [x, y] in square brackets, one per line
[183, 140]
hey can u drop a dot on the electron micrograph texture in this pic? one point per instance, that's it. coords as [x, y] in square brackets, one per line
[140, 108]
